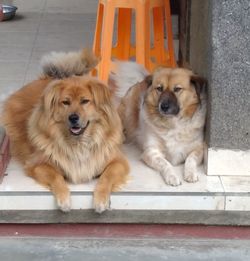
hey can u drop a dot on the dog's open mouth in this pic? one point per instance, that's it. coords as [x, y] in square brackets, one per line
[77, 130]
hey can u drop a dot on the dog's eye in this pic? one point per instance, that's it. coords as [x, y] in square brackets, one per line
[66, 102]
[84, 101]
[159, 88]
[177, 89]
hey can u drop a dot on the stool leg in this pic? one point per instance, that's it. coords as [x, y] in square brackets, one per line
[98, 31]
[122, 50]
[107, 37]
[143, 33]
[159, 51]
[169, 33]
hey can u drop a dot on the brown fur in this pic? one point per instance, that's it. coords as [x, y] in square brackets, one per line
[129, 108]
[36, 120]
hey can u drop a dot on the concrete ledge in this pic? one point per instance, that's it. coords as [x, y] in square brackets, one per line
[233, 218]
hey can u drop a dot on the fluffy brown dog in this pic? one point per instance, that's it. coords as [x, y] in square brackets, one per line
[164, 114]
[67, 129]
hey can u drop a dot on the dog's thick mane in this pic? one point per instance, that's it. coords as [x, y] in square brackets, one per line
[96, 147]
[88, 153]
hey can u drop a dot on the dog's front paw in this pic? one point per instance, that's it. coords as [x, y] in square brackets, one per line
[171, 179]
[64, 201]
[190, 176]
[101, 201]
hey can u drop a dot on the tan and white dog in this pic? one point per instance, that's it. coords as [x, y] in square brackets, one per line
[164, 114]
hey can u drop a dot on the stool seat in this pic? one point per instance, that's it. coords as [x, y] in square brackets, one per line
[149, 55]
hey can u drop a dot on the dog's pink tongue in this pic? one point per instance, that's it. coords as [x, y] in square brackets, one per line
[75, 130]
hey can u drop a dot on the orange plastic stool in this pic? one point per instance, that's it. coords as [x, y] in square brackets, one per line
[145, 54]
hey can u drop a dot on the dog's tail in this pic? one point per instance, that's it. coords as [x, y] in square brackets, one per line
[60, 65]
[125, 75]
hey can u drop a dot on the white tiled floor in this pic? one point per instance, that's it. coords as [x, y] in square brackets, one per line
[145, 190]
[61, 25]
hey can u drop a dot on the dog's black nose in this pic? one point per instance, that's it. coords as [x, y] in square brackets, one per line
[168, 104]
[73, 118]
[164, 106]
[169, 108]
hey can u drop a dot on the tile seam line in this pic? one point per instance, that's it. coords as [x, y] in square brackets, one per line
[34, 42]
[225, 194]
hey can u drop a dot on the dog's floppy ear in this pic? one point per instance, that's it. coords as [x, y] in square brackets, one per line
[199, 83]
[100, 92]
[146, 83]
[148, 80]
[103, 102]
[51, 96]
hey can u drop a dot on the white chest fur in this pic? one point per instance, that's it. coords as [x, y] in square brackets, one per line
[175, 143]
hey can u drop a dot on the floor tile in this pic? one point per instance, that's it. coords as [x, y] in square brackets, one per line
[32, 74]
[15, 53]
[54, 41]
[17, 38]
[8, 86]
[23, 22]
[64, 23]
[236, 184]
[72, 6]
[238, 203]
[13, 69]
[29, 5]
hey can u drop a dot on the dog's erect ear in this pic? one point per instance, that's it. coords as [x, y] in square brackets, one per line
[148, 80]
[199, 83]
[100, 92]
[51, 96]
